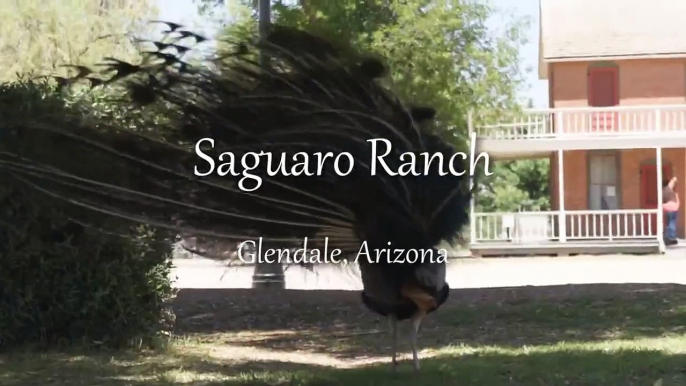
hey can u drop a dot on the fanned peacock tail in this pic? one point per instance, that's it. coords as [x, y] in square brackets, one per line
[314, 98]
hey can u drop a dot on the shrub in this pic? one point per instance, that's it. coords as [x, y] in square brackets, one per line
[61, 281]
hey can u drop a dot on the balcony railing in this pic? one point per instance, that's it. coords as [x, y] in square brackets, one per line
[588, 121]
[580, 225]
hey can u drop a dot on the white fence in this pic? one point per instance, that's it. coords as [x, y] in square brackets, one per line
[536, 227]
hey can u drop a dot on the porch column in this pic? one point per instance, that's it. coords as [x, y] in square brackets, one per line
[660, 213]
[472, 219]
[562, 228]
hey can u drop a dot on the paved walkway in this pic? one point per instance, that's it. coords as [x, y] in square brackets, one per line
[464, 273]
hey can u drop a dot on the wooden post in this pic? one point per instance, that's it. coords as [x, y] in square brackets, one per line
[266, 275]
[264, 9]
[562, 218]
[660, 212]
[658, 172]
[472, 219]
[562, 228]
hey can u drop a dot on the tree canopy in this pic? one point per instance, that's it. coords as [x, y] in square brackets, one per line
[38, 36]
[441, 54]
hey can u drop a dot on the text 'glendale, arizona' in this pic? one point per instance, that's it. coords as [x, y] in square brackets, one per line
[334, 256]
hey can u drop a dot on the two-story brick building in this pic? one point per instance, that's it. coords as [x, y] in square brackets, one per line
[616, 127]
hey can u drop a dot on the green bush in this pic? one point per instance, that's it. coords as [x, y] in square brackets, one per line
[62, 282]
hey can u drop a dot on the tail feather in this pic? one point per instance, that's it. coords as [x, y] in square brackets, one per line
[311, 100]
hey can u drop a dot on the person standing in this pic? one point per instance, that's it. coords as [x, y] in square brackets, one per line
[670, 206]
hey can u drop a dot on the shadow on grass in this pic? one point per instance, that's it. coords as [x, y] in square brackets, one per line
[547, 366]
[335, 322]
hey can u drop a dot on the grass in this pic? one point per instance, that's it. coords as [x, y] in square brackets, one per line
[567, 335]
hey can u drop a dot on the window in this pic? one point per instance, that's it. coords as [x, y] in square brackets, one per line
[602, 182]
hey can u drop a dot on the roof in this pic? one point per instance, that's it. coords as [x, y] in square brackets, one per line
[585, 29]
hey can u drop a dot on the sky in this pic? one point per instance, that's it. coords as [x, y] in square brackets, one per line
[186, 12]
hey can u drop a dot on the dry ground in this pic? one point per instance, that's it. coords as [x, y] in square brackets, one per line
[564, 335]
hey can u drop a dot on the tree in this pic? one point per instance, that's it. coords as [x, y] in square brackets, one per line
[514, 185]
[208, 7]
[265, 275]
[444, 56]
[441, 54]
[38, 36]
[63, 280]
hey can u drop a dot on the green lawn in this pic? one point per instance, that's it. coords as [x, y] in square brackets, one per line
[570, 335]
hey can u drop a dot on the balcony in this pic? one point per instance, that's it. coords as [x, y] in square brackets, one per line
[619, 127]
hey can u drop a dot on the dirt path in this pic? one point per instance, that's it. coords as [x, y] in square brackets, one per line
[333, 329]
[463, 273]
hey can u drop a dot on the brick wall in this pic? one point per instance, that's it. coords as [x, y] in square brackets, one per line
[640, 82]
[576, 179]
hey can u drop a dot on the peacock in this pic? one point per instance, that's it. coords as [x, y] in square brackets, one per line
[315, 97]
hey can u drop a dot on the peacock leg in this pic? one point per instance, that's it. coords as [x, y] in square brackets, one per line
[416, 321]
[394, 335]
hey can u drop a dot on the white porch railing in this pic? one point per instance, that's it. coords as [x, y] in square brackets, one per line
[587, 121]
[616, 224]
[520, 226]
[536, 227]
